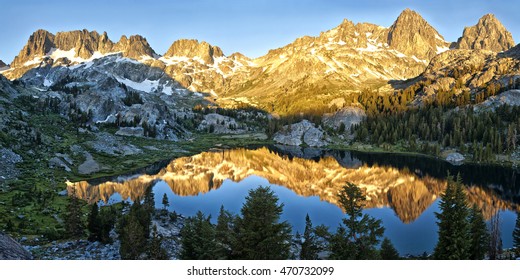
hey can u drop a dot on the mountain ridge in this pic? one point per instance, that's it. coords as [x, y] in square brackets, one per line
[344, 59]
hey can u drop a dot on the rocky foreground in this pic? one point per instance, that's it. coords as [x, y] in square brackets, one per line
[168, 230]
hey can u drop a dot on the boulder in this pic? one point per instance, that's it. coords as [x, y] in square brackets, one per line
[300, 133]
[455, 158]
[12, 250]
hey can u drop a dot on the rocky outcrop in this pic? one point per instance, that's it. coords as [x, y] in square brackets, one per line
[472, 71]
[487, 34]
[192, 48]
[455, 158]
[12, 250]
[413, 36]
[9, 159]
[135, 47]
[215, 123]
[510, 97]
[300, 133]
[347, 116]
[83, 42]
[39, 44]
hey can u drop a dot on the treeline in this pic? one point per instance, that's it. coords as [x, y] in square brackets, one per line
[257, 233]
[432, 128]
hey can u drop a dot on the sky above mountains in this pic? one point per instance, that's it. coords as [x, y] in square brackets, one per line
[249, 27]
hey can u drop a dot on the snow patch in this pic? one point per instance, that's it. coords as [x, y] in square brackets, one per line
[35, 60]
[442, 49]
[146, 85]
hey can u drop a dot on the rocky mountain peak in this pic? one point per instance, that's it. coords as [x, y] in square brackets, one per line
[193, 48]
[2, 64]
[487, 34]
[411, 34]
[84, 42]
[39, 44]
[134, 47]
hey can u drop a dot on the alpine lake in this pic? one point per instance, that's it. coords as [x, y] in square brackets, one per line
[402, 190]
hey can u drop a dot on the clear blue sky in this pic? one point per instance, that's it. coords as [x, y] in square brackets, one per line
[250, 27]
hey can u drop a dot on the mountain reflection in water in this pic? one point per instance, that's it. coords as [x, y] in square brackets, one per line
[387, 180]
[407, 193]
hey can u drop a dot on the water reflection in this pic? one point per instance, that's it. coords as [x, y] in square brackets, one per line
[396, 186]
[315, 173]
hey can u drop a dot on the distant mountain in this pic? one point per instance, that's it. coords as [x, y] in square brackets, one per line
[2, 64]
[322, 70]
[72, 47]
[488, 34]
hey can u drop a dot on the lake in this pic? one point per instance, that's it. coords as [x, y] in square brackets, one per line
[402, 190]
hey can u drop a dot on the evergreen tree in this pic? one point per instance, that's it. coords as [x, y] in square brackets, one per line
[310, 248]
[107, 217]
[134, 231]
[224, 233]
[165, 202]
[478, 233]
[516, 233]
[388, 251]
[260, 235]
[198, 239]
[94, 223]
[132, 237]
[454, 239]
[73, 217]
[359, 235]
[155, 249]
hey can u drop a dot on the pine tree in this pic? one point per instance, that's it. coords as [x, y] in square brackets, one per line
[359, 235]
[388, 251]
[73, 217]
[453, 243]
[310, 248]
[224, 234]
[478, 233]
[165, 202]
[107, 217]
[134, 231]
[516, 233]
[198, 238]
[94, 223]
[155, 249]
[260, 235]
[132, 237]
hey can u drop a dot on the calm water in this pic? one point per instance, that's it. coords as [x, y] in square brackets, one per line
[403, 191]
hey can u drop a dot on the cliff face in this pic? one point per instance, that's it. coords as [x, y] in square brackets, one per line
[412, 35]
[487, 34]
[192, 49]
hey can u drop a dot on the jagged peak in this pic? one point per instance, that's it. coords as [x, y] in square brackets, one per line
[408, 14]
[488, 34]
[411, 34]
[193, 48]
[135, 46]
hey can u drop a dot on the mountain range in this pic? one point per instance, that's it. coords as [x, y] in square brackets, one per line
[322, 70]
